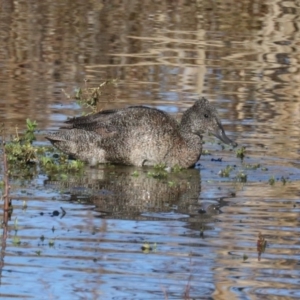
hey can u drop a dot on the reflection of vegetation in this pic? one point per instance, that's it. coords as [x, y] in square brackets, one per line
[261, 245]
[90, 97]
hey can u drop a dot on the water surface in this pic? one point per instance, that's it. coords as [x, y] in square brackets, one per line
[202, 229]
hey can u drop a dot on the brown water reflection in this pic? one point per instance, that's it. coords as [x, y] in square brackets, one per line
[240, 54]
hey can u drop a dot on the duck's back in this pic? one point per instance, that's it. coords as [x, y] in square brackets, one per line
[135, 135]
[137, 118]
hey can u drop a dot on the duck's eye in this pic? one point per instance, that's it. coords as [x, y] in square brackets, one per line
[206, 116]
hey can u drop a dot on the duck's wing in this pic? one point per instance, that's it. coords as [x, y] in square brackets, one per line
[107, 118]
[90, 122]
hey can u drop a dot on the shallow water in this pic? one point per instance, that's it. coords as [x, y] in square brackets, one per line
[202, 228]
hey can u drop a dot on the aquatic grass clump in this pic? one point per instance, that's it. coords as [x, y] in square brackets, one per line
[252, 166]
[226, 172]
[27, 160]
[240, 153]
[272, 180]
[158, 174]
[241, 177]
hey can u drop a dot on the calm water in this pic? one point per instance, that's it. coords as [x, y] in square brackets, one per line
[202, 228]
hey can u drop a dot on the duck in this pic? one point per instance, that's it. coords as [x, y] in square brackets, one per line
[140, 136]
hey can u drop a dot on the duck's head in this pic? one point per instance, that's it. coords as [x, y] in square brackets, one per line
[203, 117]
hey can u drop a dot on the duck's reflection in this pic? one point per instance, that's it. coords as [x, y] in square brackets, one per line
[140, 193]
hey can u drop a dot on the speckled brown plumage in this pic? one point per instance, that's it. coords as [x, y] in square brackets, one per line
[139, 135]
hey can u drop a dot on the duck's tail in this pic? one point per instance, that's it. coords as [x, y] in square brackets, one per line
[76, 142]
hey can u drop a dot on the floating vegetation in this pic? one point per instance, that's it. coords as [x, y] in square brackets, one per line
[146, 248]
[16, 241]
[252, 166]
[177, 169]
[261, 244]
[226, 172]
[158, 174]
[135, 173]
[171, 183]
[272, 180]
[283, 180]
[51, 243]
[241, 177]
[240, 153]
[205, 152]
[27, 160]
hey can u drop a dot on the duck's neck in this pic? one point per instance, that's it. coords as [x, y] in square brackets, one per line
[186, 123]
[192, 139]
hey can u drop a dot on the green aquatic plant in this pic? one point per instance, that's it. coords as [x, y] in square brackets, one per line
[252, 166]
[240, 153]
[16, 241]
[158, 174]
[135, 173]
[26, 160]
[283, 180]
[272, 180]
[146, 247]
[29, 133]
[205, 152]
[241, 177]
[226, 172]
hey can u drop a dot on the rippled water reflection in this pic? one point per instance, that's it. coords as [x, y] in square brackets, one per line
[202, 228]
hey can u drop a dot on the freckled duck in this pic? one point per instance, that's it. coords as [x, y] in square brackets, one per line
[140, 136]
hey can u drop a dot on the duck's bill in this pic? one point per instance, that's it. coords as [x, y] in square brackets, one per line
[220, 134]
